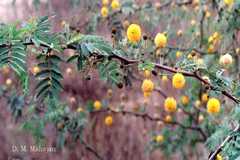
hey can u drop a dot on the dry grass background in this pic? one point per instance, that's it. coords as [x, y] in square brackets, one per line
[125, 140]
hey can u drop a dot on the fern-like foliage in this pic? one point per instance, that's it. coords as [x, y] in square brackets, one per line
[49, 77]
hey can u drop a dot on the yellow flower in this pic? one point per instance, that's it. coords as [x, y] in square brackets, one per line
[208, 14]
[164, 78]
[170, 104]
[213, 106]
[229, 2]
[178, 81]
[35, 70]
[210, 39]
[115, 4]
[159, 138]
[104, 11]
[97, 105]
[216, 36]
[168, 119]
[204, 97]
[185, 100]
[179, 32]
[147, 94]
[219, 157]
[211, 48]
[8, 82]
[134, 33]
[197, 103]
[108, 121]
[147, 86]
[193, 22]
[147, 74]
[160, 40]
[80, 109]
[105, 2]
[178, 54]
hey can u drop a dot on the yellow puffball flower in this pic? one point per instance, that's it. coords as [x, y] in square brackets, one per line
[105, 2]
[211, 48]
[216, 36]
[170, 105]
[147, 94]
[164, 78]
[193, 22]
[159, 138]
[108, 121]
[80, 109]
[219, 157]
[147, 74]
[160, 40]
[115, 4]
[134, 33]
[185, 100]
[147, 86]
[104, 11]
[213, 106]
[168, 119]
[204, 97]
[8, 82]
[208, 14]
[229, 2]
[197, 103]
[178, 81]
[35, 70]
[179, 33]
[178, 54]
[97, 105]
[210, 39]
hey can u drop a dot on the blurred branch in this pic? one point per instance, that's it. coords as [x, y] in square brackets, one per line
[201, 28]
[226, 140]
[91, 149]
[147, 116]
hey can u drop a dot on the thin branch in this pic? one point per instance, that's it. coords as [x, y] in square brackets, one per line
[147, 116]
[173, 70]
[91, 149]
[226, 140]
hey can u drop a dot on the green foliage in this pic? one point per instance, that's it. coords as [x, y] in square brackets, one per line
[49, 77]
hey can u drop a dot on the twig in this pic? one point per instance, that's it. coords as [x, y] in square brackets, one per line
[173, 70]
[226, 140]
[147, 116]
[91, 149]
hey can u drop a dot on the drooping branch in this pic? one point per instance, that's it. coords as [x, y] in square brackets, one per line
[173, 70]
[157, 119]
[226, 140]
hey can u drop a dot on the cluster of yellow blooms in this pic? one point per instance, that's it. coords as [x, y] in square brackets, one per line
[114, 5]
[134, 35]
[159, 138]
[147, 85]
[97, 106]
[212, 41]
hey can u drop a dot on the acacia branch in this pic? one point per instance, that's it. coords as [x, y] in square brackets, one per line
[226, 140]
[91, 149]
[185, 73]
[147, 116]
